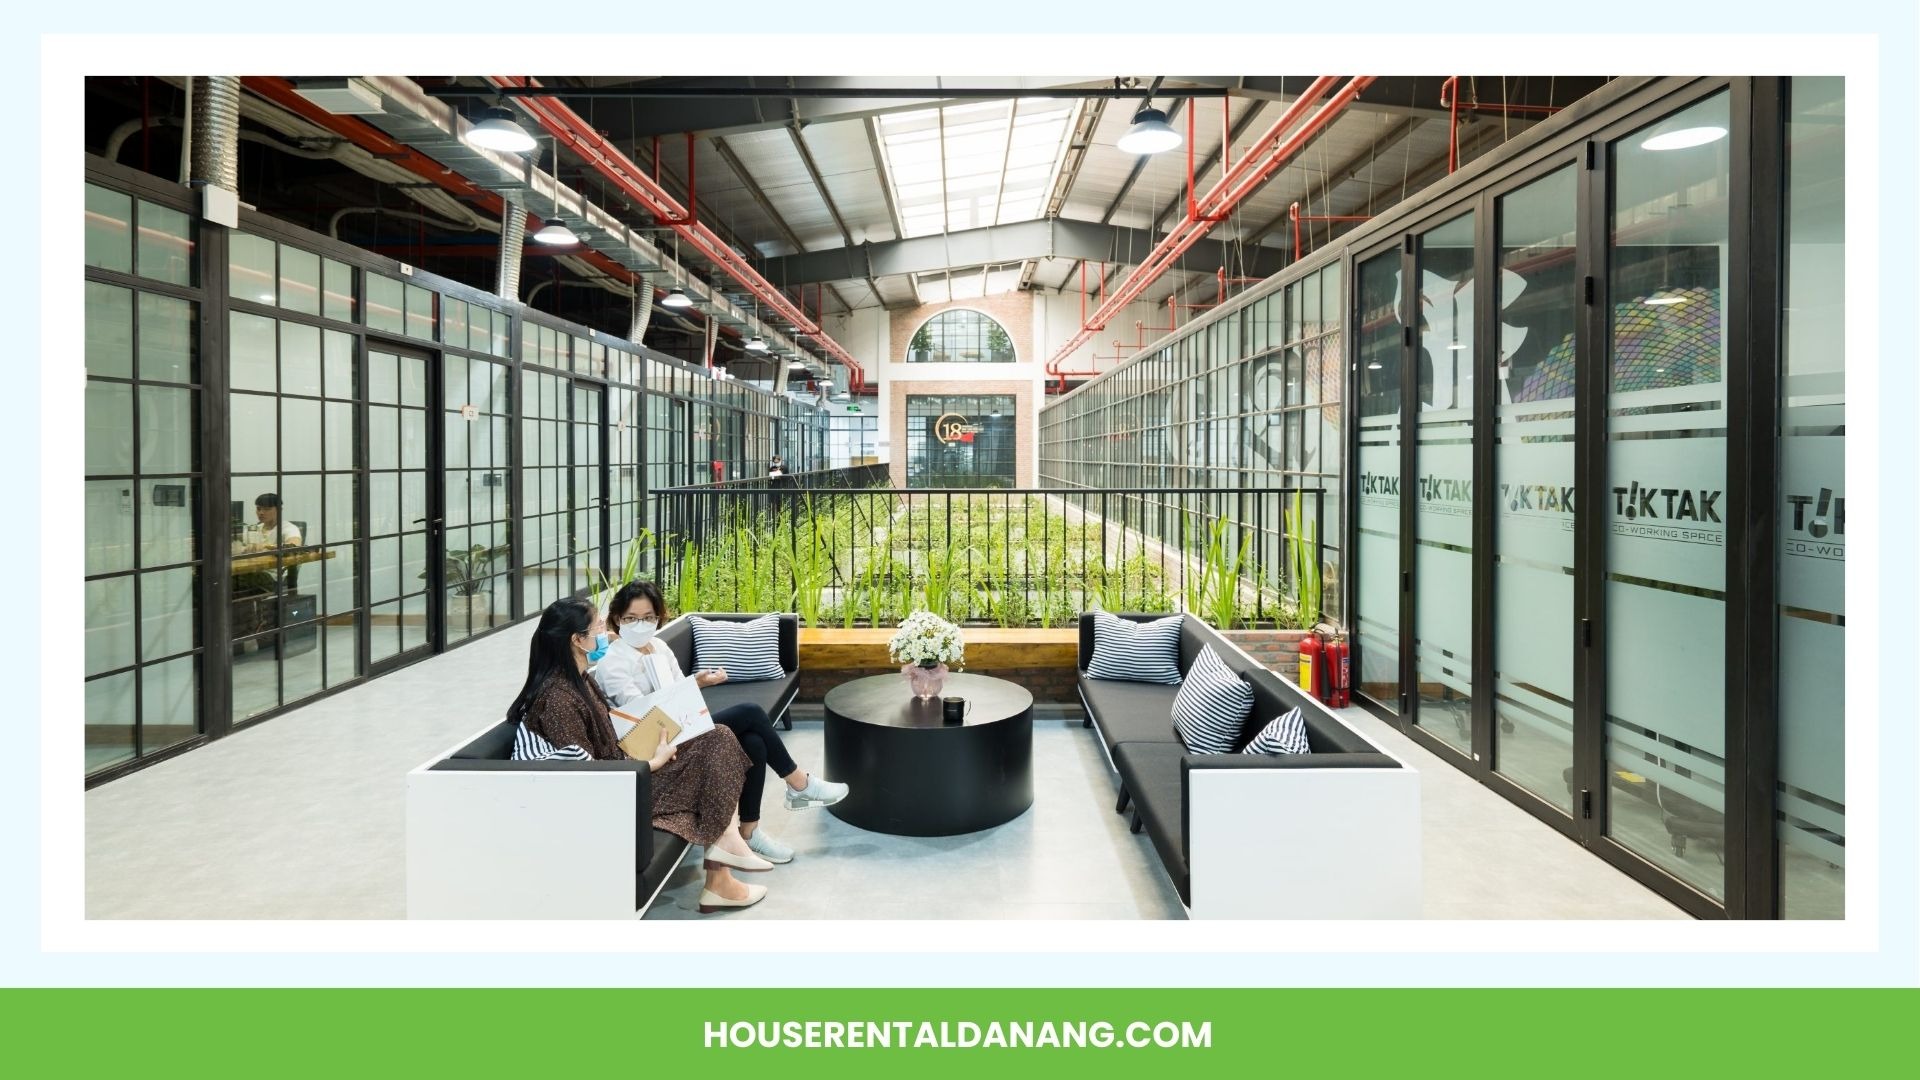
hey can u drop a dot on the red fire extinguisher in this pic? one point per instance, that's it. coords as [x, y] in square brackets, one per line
[1310, 664]
[1340, 665]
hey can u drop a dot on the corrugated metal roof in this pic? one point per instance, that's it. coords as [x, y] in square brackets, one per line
[970, 164]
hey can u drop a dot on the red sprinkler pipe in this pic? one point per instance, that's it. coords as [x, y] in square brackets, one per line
[693, 192]
[1450, 101]
[1269, 154]
[564, 124]
[1193, 212]
[1296, 217]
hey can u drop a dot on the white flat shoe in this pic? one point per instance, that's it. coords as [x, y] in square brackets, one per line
[711, 901]
[719, 859]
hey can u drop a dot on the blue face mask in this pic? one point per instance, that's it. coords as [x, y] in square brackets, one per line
[599, 648]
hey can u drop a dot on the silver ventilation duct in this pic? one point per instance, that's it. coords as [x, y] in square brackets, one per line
[513, 241]
[642, 311]
[215, 155]
[433, 126]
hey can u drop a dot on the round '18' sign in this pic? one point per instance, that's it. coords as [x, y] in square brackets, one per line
[952, 428]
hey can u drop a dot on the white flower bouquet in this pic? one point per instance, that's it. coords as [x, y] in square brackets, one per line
[926, 639]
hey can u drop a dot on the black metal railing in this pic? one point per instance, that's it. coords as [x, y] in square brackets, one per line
[854, 476]
[841, 556]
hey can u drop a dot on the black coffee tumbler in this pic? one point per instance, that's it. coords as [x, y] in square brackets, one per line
[953, 710]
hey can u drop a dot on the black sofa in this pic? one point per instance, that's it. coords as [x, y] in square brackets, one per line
[656, 853]
[1158, 777]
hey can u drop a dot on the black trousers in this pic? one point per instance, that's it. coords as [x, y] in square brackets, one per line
[750, 723]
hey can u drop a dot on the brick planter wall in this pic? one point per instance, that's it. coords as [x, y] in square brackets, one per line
[1278, 650]
[1049, 686]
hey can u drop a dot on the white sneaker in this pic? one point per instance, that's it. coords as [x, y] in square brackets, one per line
[768, 848]
[818, 792]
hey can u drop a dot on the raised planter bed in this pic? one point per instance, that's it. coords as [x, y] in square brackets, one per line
[1045, 661]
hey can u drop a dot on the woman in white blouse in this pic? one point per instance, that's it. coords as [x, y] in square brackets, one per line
[640, 667]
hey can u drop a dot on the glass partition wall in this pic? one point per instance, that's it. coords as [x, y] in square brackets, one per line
[1598, 529]
[1249, 395]
[384, 455]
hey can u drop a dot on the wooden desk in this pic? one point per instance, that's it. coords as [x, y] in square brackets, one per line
[266, 562]
[988, 647]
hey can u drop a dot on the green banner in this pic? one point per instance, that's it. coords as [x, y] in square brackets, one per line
[912, 1033]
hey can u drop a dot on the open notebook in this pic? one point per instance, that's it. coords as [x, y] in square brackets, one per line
[672, 716]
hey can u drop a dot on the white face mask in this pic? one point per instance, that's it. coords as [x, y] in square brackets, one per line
[638, 633]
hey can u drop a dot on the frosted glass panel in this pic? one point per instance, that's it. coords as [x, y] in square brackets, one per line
[1443, 492]
[1665, 499]
[1811, 800]
[1533, 624]
[1378, 632]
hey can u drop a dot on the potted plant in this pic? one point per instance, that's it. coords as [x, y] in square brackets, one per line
[923, 646]
[468, 574]
[922, 344]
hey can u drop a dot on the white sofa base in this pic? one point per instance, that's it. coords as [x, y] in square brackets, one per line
[485, 845]
[1303, 843]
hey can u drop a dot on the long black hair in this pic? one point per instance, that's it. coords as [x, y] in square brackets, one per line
[551, 651]
[636, 590]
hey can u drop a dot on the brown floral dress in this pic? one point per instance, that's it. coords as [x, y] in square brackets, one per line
[694, 795]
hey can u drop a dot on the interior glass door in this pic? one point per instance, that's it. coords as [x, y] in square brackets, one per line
[1533, 469]
[589, 488]
[1442, 488]
[405, 559]
[1378, 583]
[1664, 503]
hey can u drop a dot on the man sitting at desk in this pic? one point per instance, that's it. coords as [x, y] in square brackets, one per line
[269, 534]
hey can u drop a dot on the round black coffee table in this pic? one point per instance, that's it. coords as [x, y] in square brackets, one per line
[913, 774]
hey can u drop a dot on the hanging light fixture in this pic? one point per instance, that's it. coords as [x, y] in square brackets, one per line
[756, 344]
[1150, 133]
[554, 231]
[498, 130]
[677, 297]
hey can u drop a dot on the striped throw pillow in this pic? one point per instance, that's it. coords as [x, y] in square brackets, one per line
[750, 651]
[530, 746]
[1212, 705]
[1135, 652]
[1284, 734]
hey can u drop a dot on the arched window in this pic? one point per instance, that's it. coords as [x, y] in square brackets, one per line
[960, 337]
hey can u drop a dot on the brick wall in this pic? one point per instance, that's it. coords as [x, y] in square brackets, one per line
[1277, 650]
[1049, 686]
[1014, 311]
[1025, 472]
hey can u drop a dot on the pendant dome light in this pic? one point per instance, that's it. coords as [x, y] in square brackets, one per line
[677, 297]
[555, 232]
[756, 344]
[497, 130]
[1150, 133]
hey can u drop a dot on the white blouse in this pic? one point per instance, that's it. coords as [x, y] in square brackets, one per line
[628, 676]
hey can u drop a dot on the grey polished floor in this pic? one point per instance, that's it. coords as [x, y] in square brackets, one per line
[303, 817]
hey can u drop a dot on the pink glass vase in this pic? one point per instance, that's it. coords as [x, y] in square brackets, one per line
[925, 682]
